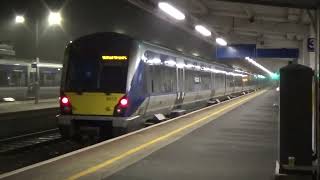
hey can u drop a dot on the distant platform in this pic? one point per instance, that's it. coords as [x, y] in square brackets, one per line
[29, 105]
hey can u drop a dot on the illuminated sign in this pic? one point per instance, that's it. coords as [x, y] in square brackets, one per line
[116, 58]
[244, 80]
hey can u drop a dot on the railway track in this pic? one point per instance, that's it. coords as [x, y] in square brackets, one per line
[29, 140]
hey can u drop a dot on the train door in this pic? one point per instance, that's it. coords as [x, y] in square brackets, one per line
[212, 85]
[180, 87]
[225, 84]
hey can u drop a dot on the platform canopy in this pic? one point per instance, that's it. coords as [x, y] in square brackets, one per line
[269, 24]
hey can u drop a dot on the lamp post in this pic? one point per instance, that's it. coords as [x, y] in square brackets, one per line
[54, 19]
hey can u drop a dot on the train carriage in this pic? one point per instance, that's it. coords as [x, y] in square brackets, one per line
[17, 79]
[112, 84]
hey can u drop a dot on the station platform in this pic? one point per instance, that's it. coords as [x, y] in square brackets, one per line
[17, 106]
[24, 117]
[232, 140]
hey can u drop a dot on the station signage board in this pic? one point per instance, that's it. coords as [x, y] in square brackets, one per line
[311, 44]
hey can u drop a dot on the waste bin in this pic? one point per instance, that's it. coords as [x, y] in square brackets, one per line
[295, 116]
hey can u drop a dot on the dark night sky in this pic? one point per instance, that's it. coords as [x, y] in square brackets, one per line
[82, 17]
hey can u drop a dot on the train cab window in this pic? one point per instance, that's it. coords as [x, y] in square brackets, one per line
[82, 76]
[98, 63]
[108, 83]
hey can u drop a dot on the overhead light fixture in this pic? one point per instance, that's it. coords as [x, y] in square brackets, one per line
[221, 41]
[50, 65]
[19, 19]
[195, 54]
[54, 18]
[202, 30]
[8, 99]
[171, 10]
[259, 66]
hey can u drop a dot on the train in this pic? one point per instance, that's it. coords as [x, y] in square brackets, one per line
[18, 77]
[113, 84]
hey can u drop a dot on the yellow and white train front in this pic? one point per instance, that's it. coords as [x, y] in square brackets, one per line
[94, 85]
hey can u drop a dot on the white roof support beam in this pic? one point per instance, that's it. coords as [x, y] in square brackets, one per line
[199, 7]
[264, 28]
[244, 16]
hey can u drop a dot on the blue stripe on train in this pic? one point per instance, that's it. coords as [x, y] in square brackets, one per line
[138, 90]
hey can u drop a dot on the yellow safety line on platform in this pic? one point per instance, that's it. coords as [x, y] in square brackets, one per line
[138, 148]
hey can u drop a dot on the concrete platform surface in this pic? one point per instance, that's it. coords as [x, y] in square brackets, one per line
[240, 145]
[29, 105]
[246, 148]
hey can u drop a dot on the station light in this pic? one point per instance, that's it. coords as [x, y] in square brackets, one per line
[19, 19]
[259, 66]
[171, 10]
[275, 76]
[54, 18]
[202, 30]
[221, 41]
[50, 65]
[261, 76]
[195, 54]
[8, 99]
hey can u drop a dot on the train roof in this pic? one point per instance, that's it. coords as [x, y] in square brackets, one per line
[129, 38]
[201, 59]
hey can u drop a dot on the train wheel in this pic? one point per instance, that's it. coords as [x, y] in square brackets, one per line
[66, 132]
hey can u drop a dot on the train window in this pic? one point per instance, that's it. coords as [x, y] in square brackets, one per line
[49, 77]
[18, 78]
[219, 82]
[88, 71]
[238, 81]
[3, 79]
[163, 79]
[163, 73]
[82, 76]
[110, 84]
[190, 84]
[230, 81]
[205, 80]
[15, 76]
